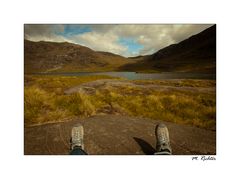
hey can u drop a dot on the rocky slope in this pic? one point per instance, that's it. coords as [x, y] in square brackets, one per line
[51, 56]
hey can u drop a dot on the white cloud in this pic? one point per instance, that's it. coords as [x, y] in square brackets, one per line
[155, 37]
[105, 37]
[100, 42]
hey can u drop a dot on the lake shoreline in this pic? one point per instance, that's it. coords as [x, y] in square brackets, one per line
[135, 75]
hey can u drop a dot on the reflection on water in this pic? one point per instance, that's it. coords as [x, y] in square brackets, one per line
[142, 76]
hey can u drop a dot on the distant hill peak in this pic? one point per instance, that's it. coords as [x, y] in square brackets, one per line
[194, 54]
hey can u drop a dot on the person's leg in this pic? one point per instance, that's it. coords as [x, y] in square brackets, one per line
[77, 146]
[77, 151]
[163, 141]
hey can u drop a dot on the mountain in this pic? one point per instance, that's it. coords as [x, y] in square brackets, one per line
[51, 56]
[195, 54]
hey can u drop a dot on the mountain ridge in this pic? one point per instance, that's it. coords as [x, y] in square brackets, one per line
[54, 56]
[194, 54]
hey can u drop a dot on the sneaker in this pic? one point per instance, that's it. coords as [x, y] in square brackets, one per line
[77, 136]
[163, 142]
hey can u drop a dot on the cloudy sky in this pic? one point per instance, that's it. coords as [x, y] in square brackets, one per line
[126, 40]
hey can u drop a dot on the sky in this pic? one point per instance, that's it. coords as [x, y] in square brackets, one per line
[124, 39]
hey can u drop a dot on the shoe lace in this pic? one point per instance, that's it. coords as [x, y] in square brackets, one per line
[163, 138]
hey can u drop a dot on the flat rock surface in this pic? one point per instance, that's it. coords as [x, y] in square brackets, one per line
[90, 87]
[117, 134]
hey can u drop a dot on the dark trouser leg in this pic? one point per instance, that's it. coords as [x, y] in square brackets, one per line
[77, 151]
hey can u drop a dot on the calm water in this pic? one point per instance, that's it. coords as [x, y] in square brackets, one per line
[141, 76]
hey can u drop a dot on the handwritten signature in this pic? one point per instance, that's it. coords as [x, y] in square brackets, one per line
[204, 158]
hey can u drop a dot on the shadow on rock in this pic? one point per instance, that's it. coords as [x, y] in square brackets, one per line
[146, 147]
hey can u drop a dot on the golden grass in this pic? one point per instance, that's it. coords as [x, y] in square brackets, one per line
[175, 106]
[77, 104]
[60, 83]
[179, 83]
[42, 107]
[37, 103]
[45, 102]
